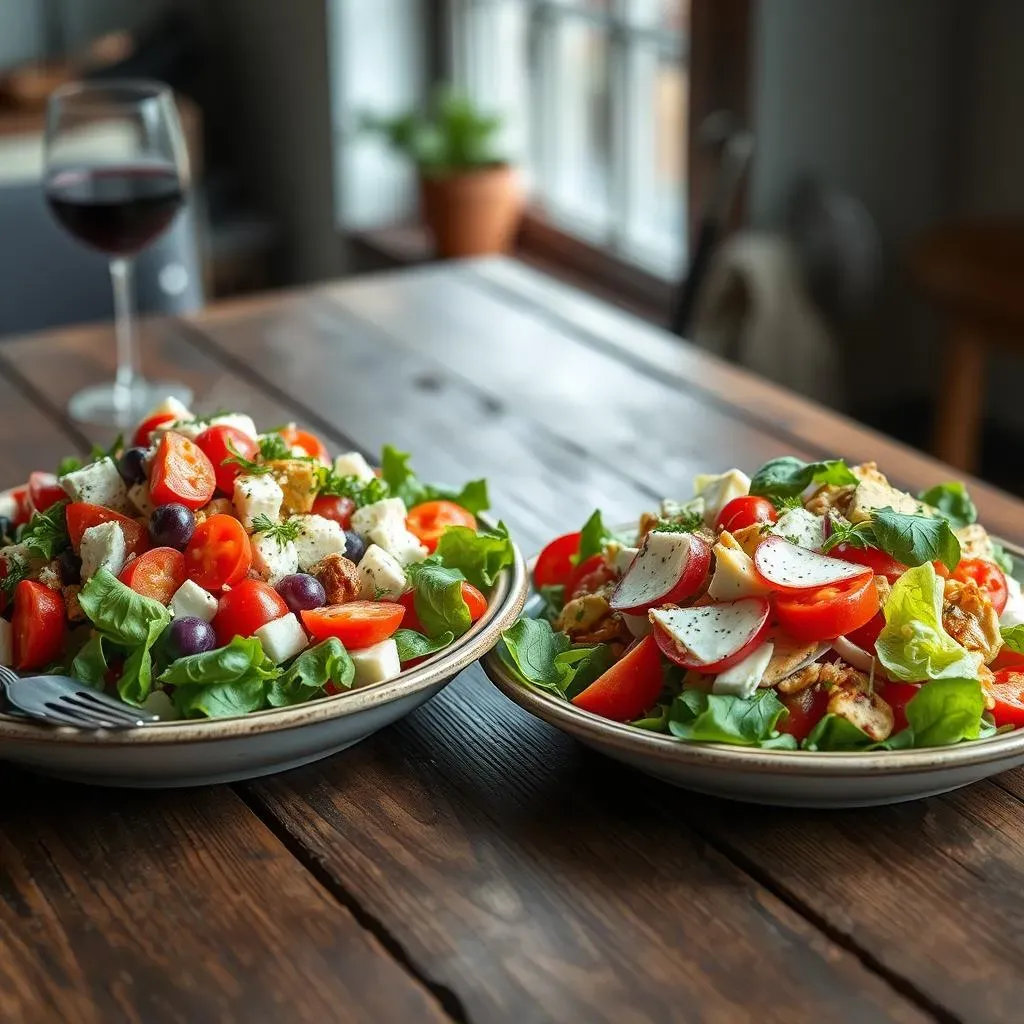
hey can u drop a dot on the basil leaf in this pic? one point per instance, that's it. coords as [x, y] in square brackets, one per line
[915, 540]
[242, 658]
[479, 555]
[953, 502]
[1013, 637]
[787, 476]
[704, 717]
[403, 483]
[90, 664]
[833, 732]
[540, 655]
[68, 465]
[1001, 558]
[592, 537]
[415, 645]
[438, 599]
[221, 700]
[310, 672]
[47, 532]
[946, 711]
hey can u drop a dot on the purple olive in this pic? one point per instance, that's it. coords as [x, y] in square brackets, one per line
[301, 592]
[190, 635]
[355, 546]
[172, 525]
[132, 465]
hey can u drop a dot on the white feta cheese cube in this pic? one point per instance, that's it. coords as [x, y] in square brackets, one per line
[138, 495]
[283, 638]
[718, 490]
[382, 576]
[389, 510]
[170, 406]
[398, 542]
[353, 464]
[158, 703]
[257, 495]
[741, 680]
[102, 547]
[273, 560]
[802, 528]
[190, 600]
[6, 643]
[377, 663]
[237, 420]
[317, 538]
[98, 483]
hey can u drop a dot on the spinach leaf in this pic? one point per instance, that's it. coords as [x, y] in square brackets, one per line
[415, 645]
[946, 711]
[788, 476]
[539, 655]
[479, 554]
[953, 502]
[310, 672]
[47, 532]
[403, 483]
[592, 537]
[699, 716]
[221, 700]
[915, 540]
[438, 599]
[1013, 637]
[580, 666]
[833, 732]
[553, 596]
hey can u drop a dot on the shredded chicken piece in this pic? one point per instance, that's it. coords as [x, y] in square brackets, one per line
[588, 619]
[969, 618]
[828, 497]
[864, 709]
[828, 673]
[648, 521]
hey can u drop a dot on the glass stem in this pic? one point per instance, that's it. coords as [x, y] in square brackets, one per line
[127, 367]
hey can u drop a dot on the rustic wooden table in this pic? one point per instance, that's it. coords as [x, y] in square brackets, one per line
[471, 863]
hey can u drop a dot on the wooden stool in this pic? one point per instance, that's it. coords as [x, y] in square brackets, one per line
[974, 273]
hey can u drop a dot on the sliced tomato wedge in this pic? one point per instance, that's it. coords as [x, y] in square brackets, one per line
[875, 559]
[356, 624]
[308, 442]
[865, 636]
[44, 491]
[221, 444]
[148, 425]
[430, 519]
[219, 554]
[181, 473]
[336, 508]
[628, 688]
[834, 610]
[1008, 691]
[244, 608]
[586, 577]
[988, 576]
[38, 624]
[83, 514]
[898, 695]
[804, 710]
[156, 574]
[555, 563]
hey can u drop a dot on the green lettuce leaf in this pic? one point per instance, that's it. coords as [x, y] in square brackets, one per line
[539, 655]
[787, 476]
[953, 502]
[833, 732]
[698, 716]
[1013, 637]
[415, 645]
[310, 672]
[946, 711]
[438, 599]
[915, 540]
[656, 720]
[403, 483]
[479, 555]
[90, 664]
[913, 645]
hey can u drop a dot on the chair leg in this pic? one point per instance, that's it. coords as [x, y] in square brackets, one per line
[961, 398]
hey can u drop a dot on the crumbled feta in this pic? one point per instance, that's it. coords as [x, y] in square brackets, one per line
[6, 643]
[99, 483]
[388, 510]
[377, 663]
[398, 542]
[170, 406]
[283, 638]
[237, 420]
[273, 560]
[802, 528]
[138, 495]
[317, 538]
[102, 547]
[353, 464]
[14, 553]
[190, 600]
[257, 495]
[382, 576]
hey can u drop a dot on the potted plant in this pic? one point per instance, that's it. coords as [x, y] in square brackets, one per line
[469, 195]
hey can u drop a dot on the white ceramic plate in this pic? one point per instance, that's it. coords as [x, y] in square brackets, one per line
[794, 779]
[195, 753]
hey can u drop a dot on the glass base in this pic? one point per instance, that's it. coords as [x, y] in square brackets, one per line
[96, 405]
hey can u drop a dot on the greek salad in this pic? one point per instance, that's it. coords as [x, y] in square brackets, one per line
[207, 569]
[813, 606]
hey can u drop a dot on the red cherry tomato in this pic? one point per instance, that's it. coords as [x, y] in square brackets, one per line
[246, 607]
[429, 520]
[309, 443]
[411, 619]
[628, 688]
[335, 508]
[22, 505]
[219, 553]
[156, 574]
[828, 612]
[586, 577]
[148, 425]
[1004, 659]
[554, 564]
[805, 709]
[865, 636]
[898, 695]
[44, 491]
[356, 624]
[82, 514]
[38, 625]
[222, 443]
[745, 511]
[875, 559]
[988, 576]
[1008, 691]
[181, 472]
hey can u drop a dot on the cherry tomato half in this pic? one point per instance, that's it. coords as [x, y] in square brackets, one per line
[804, 710]
[219, 553]
[828, 612]
[745, 511]
[309, 443]
[586, 577]
[148, 425]
[156, 574]
[1008, 691]
[898, 695]
[429, 520]
[181, 472]
[875, 559]
[44, 491]
[628, 688]
[554, 564]
[335, 508]
[246, 607]
[222, 443]
[356, 624]
[38, 625]
[988, 576]
[82, 514]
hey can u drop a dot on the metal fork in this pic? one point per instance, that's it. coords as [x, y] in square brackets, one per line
[61, 700]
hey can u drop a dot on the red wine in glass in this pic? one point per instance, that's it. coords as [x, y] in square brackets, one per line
[116, 209]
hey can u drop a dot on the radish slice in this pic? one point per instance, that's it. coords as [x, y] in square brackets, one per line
[669, 568]
[714, 637]
[784, 566]
[852, 654]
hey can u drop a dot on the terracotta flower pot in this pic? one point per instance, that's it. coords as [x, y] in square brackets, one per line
[472, 214]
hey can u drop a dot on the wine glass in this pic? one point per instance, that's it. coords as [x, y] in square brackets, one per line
[116, 176]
